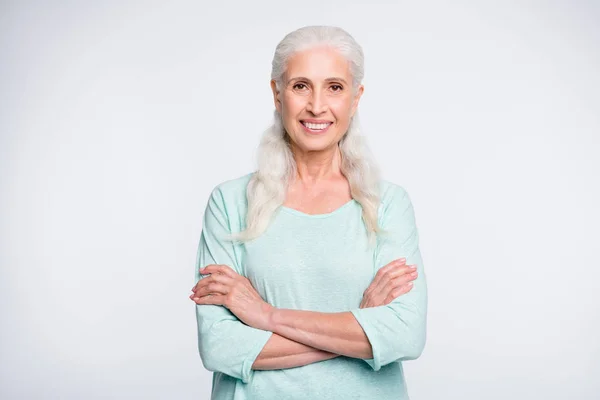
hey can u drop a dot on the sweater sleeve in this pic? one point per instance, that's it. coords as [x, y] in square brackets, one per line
[225, 343]
[397, 331]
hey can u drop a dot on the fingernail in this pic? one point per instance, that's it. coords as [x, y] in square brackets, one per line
[413, 267]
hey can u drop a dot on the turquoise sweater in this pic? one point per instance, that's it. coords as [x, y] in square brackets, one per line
[319, 263]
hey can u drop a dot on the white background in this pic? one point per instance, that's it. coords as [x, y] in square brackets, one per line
[117, 119]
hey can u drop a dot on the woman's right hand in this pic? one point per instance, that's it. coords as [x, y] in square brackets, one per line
[391, 281]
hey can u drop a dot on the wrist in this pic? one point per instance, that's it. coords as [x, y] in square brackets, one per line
[269, 313]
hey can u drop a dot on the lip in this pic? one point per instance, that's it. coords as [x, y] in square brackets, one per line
[315, 133]
[316, 121]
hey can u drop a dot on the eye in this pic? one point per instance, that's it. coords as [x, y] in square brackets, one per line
[296, 86]
[337, 88]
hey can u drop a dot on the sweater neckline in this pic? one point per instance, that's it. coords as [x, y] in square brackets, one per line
[325, 215]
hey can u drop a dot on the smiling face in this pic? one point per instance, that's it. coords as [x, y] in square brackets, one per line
[316, 101]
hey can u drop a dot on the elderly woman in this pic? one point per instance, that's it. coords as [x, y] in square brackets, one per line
[310, 282]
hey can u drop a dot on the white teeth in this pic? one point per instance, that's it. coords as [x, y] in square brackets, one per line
[316, 127]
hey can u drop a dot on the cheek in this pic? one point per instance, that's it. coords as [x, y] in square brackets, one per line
[291, 110]
[293, 104]
[341, 110]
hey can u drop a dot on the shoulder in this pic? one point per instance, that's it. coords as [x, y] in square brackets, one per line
[391, 193]
[394, 199]
[231, 194]
[235, 184]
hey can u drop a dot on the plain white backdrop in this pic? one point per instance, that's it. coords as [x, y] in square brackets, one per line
[117, 120]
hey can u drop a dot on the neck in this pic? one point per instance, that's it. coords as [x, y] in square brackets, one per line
[316, 166]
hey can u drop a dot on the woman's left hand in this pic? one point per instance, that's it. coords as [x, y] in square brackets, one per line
[226, 287]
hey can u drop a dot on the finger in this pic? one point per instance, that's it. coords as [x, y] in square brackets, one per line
[224, 279]
[386, 294]
[196, 285]
[229, 271]
[397, 271]
[212, 299]
[375, 301]
[218, 269]
[212, 287]
[210, 269]
[390, 266]
[400, 271]
[381, 272]
[394, 294]
[203, 269]
[365, 304]
[203, 287]
[399, 281]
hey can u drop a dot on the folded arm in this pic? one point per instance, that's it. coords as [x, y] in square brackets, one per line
[281, 352]
[225, 343]
[397, 331]
[338, 333]
[378, 335]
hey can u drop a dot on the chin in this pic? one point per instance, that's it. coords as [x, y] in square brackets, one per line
[315, 144]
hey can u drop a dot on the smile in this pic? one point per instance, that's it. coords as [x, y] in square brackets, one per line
[316, 128]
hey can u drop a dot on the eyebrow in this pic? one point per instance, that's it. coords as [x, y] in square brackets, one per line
[334, 79]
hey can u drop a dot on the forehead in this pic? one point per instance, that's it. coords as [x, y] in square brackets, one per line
[318, 64]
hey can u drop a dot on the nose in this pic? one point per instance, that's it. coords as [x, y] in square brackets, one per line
[316, 103]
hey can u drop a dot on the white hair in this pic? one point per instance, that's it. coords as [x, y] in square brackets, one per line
[268, 185]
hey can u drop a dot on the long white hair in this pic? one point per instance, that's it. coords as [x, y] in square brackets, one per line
[268, 185]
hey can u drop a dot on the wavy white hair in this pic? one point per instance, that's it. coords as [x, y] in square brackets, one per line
[276, 164]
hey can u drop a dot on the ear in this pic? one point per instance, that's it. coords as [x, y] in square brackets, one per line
[359, 93]
[276, 95]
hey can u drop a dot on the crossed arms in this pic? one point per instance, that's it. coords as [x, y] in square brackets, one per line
[379, 335]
